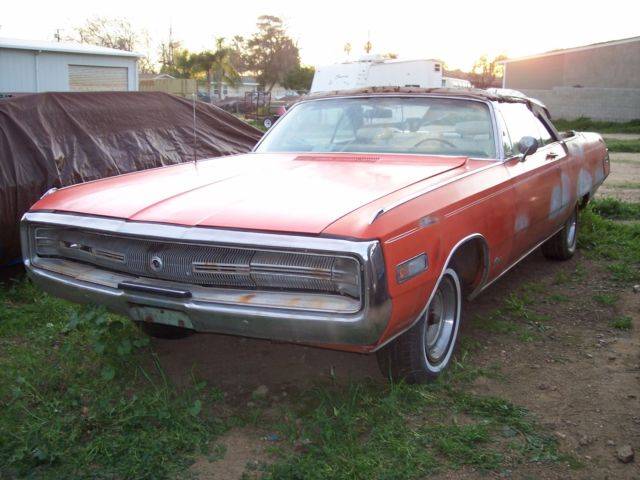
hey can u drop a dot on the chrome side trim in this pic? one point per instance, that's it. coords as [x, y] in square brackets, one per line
[428, 189]
[435, 287]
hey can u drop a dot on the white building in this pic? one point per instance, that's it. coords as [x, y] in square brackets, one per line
[247, 84]
[29, 66]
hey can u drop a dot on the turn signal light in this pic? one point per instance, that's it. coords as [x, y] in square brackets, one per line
[411, 267]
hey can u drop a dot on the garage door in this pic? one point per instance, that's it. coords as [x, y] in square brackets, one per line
[88, 78]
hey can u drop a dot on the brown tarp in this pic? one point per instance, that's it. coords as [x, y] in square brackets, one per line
[58, 139]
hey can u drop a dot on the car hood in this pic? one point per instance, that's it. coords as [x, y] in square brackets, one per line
[301, 193]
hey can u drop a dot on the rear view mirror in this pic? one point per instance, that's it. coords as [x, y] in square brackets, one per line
[379, 112]
[527, 146]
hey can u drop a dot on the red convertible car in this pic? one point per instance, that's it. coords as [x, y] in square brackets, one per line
[357, 223]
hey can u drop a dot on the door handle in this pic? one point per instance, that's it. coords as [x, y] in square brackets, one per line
[551, 155]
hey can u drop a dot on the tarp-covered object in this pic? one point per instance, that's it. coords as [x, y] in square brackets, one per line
[58, 139]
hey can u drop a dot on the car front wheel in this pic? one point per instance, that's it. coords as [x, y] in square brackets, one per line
[424, 351]
[562, 245]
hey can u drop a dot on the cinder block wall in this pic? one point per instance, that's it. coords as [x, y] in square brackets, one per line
[602, 82]
[614, 104]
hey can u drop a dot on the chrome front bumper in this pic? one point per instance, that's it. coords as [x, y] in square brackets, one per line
[287, 316]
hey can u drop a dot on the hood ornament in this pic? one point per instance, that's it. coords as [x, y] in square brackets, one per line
[156, 263]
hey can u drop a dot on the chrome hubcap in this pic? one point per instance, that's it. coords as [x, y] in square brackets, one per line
[441, 321]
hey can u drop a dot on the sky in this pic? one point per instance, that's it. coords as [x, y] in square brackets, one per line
[457, 32]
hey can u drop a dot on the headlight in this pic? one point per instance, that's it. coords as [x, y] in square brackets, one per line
[45, 241]
[301, 271]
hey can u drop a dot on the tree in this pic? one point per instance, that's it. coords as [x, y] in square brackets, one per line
[238, 53]
[271, 52]
[145, 65]
[299, 78]
[108, 32]
[486, 73]
[217, 66]
[185, 64]
[115, 33]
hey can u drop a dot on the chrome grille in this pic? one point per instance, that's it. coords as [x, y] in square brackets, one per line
[206, 265]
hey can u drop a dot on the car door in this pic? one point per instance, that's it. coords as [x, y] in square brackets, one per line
[537, 184]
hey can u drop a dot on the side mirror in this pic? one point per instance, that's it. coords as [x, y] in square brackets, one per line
[527, 146]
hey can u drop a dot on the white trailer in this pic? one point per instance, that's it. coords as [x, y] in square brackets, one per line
[451, 82]
[375, 71]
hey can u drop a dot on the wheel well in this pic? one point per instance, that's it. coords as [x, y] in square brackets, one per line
[471, 261]
[584, 201]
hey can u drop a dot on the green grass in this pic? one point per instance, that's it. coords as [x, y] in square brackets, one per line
[616, 243]
[615, 209]
[558, 298]
[257, 125]
[517, 316]
[585, 124]
[621, 323]
[404, 432]
[83, 396]
[606, 299]
[624, 146]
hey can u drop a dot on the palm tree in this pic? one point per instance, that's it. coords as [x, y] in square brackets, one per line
[184, 64]
[218, 66]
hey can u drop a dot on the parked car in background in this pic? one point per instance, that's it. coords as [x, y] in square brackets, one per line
[272, 117]
[357, 223]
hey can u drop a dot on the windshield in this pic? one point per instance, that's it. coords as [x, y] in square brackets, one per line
[414, 125]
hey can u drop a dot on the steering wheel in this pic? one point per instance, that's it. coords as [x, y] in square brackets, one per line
[444, 142]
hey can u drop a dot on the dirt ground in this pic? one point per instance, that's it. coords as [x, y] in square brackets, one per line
[624, 180]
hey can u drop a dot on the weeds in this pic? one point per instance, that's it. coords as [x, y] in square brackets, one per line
[84, 395]
[606, 299]
[615, 209]
[621, 323]
[558, 298]
[617, 243]
[561, 278]
[516, 316]
[77, 395]
[402, 431]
